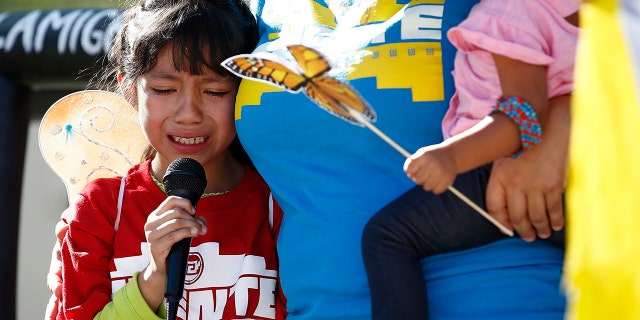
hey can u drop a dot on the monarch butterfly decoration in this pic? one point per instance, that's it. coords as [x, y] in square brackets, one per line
[334, 96]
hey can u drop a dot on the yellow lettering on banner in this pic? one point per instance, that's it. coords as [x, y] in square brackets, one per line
[381, 11]
[323, 15]
[416, 66]
[251, 93]
[418, 2]
[385, 9]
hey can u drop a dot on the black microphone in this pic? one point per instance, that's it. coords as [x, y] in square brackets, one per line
[184, 178]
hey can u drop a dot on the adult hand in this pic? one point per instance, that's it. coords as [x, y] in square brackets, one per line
[54, 277]
[526, 193]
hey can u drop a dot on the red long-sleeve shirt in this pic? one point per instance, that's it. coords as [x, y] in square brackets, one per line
[232, 270]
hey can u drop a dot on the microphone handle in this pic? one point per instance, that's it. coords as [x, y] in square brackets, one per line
[176, 270]
[176, 265]
[177, 262]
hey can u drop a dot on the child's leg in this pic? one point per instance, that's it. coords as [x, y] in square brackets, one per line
[415, 226]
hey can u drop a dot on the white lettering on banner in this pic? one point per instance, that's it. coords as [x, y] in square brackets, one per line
[423, 22]
[212, 281]
[77, 27]
[420, 22]
[56, 22]
[25, 26]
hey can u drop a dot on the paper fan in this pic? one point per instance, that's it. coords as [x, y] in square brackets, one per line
[88, 135]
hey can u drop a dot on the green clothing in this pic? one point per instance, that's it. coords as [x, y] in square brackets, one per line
[128, 303]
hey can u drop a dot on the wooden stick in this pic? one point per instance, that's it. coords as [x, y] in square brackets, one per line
[405, 153]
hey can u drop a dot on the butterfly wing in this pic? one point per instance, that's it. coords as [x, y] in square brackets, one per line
[310, 61]
[90, 134]
[330, 94]
[265, 70]
[337, 98]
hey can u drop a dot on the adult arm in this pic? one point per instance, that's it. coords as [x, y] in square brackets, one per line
[526, 193]
[54, 277]
[85, 253]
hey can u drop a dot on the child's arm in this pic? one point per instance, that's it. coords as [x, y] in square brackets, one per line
[435, 167]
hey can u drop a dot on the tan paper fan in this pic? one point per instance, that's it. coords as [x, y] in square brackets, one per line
[88, 135]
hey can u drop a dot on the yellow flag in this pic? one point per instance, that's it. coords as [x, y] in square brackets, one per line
[603, 196]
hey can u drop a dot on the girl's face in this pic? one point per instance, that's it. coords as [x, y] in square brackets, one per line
[185, 115]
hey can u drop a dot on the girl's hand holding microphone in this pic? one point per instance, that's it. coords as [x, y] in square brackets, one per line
[171, 222]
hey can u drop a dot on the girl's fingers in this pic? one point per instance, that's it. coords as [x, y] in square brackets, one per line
[203, 225]
[174, 225]
[171, 222]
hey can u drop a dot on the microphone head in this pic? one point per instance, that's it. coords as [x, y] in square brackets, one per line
[185, 177]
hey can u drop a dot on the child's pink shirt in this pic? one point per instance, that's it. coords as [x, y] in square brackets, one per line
[532, 31]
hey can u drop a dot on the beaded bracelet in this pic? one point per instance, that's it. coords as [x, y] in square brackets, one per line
[521, 112]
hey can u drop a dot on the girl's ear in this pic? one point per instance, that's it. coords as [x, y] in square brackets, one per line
[128, 89]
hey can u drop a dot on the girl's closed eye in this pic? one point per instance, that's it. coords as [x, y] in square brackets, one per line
[162, 91]
[215, 93]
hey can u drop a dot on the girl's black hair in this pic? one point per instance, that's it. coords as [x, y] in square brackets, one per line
[202, 33]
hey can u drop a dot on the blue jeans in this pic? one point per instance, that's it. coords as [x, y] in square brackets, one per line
[416, 225]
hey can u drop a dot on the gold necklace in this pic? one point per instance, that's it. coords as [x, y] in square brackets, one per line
[211, 194]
